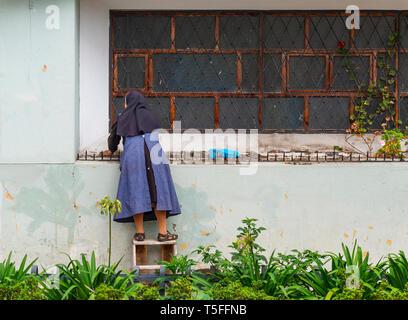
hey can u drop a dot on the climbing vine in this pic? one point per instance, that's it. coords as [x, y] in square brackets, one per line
[379, 93]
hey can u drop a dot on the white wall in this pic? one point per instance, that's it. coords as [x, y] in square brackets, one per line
[94, 47]
[38, 82]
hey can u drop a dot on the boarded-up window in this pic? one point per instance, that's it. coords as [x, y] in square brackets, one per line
[272, 71]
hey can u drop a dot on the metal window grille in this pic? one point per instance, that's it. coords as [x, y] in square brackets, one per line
[274, 71]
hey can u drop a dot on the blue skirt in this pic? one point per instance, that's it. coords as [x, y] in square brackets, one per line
[133, 189]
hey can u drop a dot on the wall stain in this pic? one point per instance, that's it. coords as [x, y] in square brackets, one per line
[52, 203]
[8, 196]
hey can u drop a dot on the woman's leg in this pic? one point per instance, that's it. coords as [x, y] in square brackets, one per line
[138, 218]
[161, 220]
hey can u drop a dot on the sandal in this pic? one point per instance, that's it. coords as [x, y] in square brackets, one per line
[166, 237]
[139, 236]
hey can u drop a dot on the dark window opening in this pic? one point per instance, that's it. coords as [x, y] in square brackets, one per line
[273, 71]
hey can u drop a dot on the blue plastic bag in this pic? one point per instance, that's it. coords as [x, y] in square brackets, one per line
[225, 153]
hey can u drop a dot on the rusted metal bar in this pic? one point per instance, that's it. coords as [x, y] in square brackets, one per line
[330, 80]
[352, 39]
[217, 33]
[306, 112]
[217, 112]
[396, 87]
[290, 93]
[146, 87]
[239, 71]
[150, 73]
[327, 72]
[260, 71]
[293, 52]
[173, 34]
[307, 33]
[373, 67]
[172, 111]
[284, 73]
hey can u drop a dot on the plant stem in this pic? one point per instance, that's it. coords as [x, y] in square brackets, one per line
[110, 237]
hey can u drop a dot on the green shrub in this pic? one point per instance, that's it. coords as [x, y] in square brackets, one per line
[181, 289]
[387, 292]
[27, 289]
[234, 290]
[106, 292]
[144, 292]
[350, 294]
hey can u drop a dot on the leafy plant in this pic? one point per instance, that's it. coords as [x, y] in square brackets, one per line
[79, 279]
[282, 278]
[9, 272]
[361, 119]
[356, 261]
[320, 281]
[220, 266]
[247, 256]
[110, 208]
[397, 270]
[392, 143]
[179, 265]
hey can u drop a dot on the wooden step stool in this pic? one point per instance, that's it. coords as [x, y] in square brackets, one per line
[139, 249]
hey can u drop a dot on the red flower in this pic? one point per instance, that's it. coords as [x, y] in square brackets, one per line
[341, 44]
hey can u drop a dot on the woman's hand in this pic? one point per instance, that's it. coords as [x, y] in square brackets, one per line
[107, 153]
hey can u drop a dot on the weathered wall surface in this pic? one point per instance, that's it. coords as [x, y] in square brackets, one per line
[49, 209]
[47, 205]
[38, 82]
[94, 61]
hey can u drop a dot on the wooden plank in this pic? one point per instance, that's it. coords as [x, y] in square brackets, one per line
[167, 253]
[151, 242]
[141, 255]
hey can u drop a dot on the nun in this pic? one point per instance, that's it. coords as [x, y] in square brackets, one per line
[146, 188]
